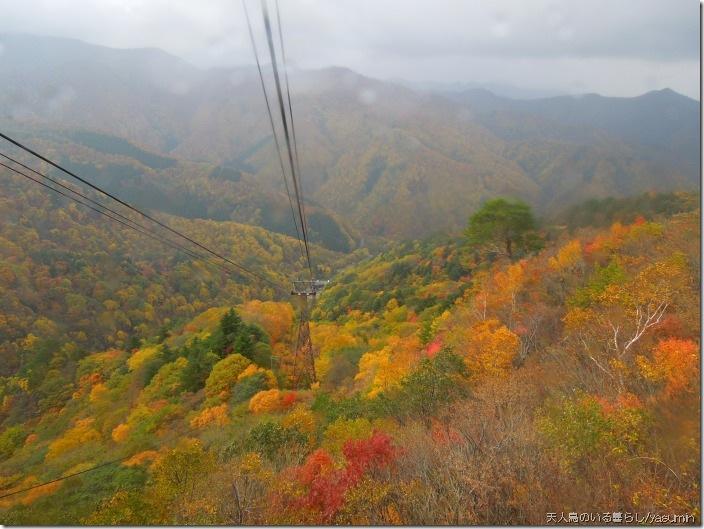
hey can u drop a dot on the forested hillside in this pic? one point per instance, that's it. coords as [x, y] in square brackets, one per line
[456, 384]
[375, 156]
[72, 282]
[195, 190]
[600, 213]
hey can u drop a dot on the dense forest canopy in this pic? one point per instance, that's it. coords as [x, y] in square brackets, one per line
[494, 388]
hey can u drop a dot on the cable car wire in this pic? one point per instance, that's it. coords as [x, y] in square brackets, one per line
[38, 485]
[287, 136]
[271, 122]
[136, 210]
[290, 109]
[138, 228]
[190, 429]
[133, 224]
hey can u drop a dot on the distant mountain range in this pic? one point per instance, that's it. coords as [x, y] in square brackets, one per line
[500, 89]
[378, 158]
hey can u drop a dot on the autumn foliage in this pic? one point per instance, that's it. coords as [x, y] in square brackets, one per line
[675, 364]
[453, 389]
[325, 484]
[83, 432]
[216, 416]
[271, 400]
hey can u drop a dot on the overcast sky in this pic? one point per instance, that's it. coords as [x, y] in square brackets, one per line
[612, 47]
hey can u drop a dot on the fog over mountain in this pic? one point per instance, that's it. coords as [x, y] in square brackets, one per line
[611, 47]
[380, 158]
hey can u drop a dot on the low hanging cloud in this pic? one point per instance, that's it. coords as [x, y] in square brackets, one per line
[616, 47]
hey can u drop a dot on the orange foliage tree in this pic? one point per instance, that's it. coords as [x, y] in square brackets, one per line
[675, 363]
[271, 400]
[274, 317]
[214, 415]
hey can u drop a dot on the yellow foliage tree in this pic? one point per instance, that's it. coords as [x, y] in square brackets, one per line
[175, 475]
[301, 419]
[328, 339]
[224, 375]
[498, 293]
[206, 321]
[627, 310]
[82, 433]
[507, 284]
[253, 369]
[384, 369]
[488, 347]
[167, 382]
[567, 257]
[140, 356]
[342, 430]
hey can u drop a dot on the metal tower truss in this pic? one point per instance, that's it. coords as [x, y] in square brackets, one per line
[304, 354]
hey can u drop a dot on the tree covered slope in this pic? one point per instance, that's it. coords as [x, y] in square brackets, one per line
[73, 281]
[453, 387]
[375, 155]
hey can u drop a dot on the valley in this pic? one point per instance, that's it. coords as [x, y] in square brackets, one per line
[511, 326]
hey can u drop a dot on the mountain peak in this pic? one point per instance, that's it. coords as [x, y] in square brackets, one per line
[27, 49]
[666, 93]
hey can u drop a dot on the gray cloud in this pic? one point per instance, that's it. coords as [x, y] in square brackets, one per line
[616, 47]
[642, 29]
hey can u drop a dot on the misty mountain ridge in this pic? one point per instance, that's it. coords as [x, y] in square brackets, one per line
[510, 91]
[387, 159]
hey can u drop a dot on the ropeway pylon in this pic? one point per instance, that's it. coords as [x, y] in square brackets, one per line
[304, 354]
